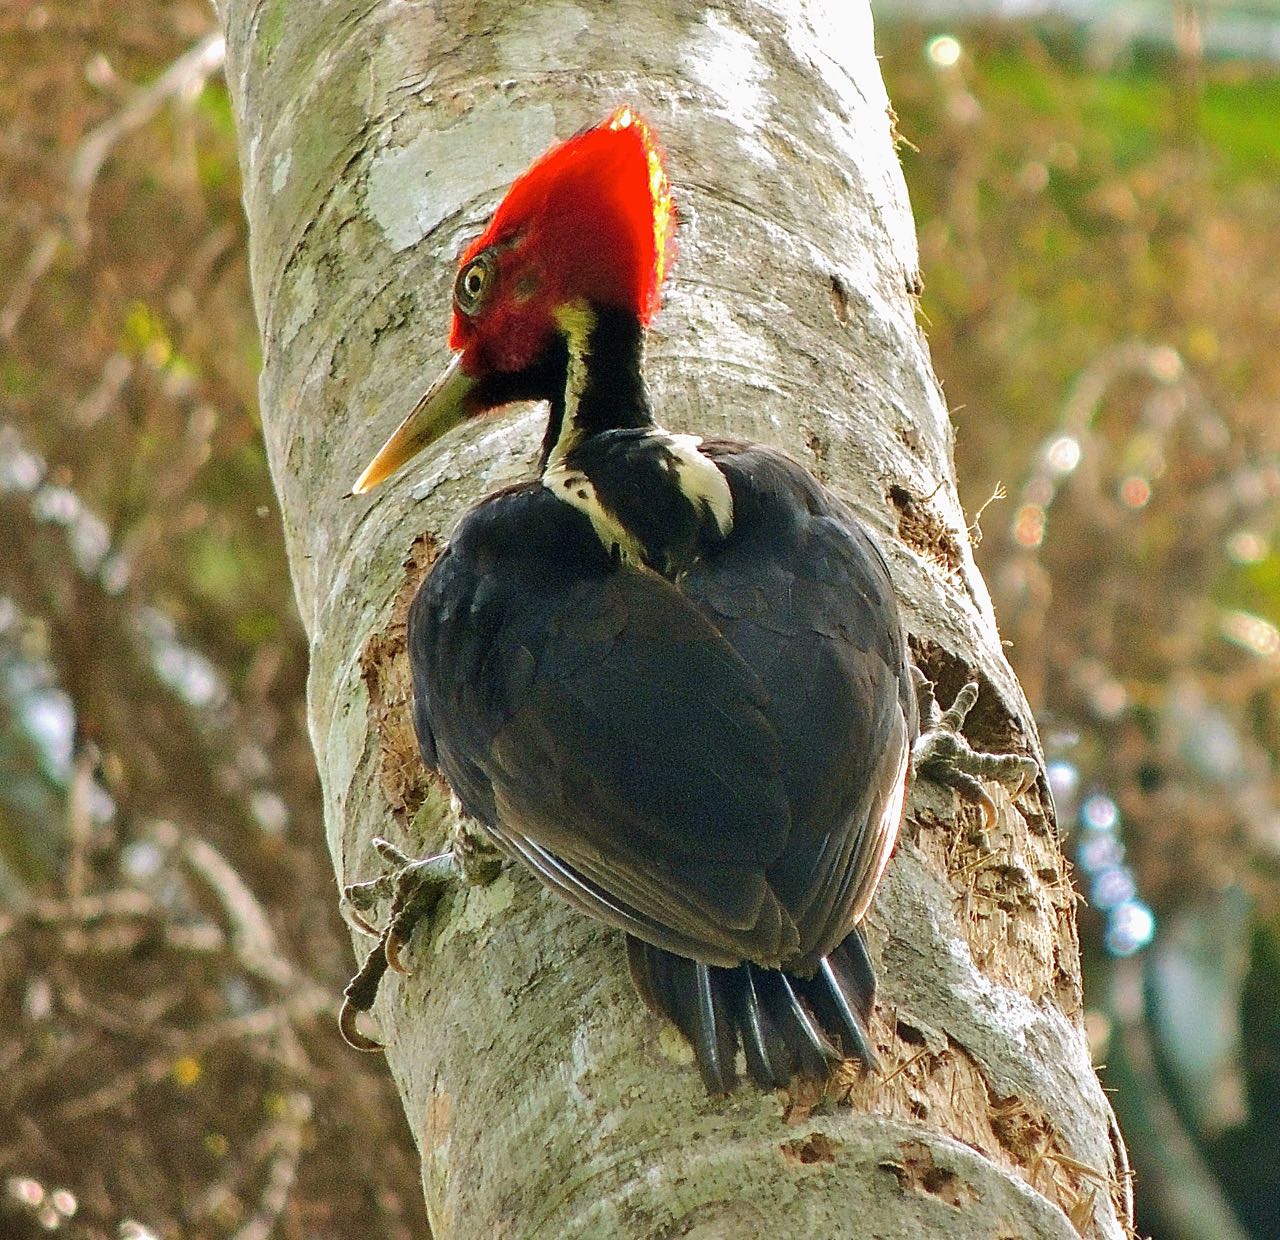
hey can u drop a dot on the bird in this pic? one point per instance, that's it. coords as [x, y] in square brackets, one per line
[668, 674]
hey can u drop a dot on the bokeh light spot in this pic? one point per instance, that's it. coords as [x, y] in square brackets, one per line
[1132, 927]
[1028, 526]
[1135, 491]
[1063, 454]
[1100, 813]
[943, 50]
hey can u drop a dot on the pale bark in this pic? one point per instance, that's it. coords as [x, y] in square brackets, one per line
[546, 1102]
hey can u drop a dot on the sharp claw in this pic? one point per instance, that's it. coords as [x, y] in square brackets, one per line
[1030, 773]
[353, 918]
[954, 716]
[988, 807]
[394, 949]
[350, 1030]
[364, 896]
[359, 996]
[415, 890]
[943, 753]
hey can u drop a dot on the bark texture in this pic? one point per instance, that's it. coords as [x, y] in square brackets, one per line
[376, 137]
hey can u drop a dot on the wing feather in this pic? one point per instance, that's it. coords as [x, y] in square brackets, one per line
[714, 765]
[804, 595]
[609, 736]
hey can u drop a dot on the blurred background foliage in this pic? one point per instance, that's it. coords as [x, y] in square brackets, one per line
[170, 947]
[1097, 223]
[1097, 188]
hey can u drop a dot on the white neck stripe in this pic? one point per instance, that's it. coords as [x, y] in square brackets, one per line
[577, 320]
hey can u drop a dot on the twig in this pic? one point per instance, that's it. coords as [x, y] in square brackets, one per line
[38, 262]
[975, 526]
[252, 939]
[1073, 1164]
[119, 904]
[79, 825]
[980, 860]
[252, 1028]
[283, 1172]
[188, 73]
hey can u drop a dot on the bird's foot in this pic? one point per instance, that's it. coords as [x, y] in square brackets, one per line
[415, 887]
[475, 854]
[942, 754]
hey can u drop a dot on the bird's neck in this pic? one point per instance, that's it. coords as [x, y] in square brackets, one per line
[653, 497]
[604, 386]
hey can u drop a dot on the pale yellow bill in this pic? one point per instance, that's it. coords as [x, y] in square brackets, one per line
[443, 407]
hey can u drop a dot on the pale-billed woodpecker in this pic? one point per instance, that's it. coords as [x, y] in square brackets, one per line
[669, 674]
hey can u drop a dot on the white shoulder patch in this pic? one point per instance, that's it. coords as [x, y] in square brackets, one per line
[575, 489]
[701, 479]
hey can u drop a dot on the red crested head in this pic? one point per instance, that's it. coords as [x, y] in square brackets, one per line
[589, 224]
[592, 220]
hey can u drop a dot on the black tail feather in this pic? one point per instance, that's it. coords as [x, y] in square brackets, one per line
[713, 1038]
[687, 993]
[787, 1026]
[842, 994]
[768, 1060]
[813, 1050]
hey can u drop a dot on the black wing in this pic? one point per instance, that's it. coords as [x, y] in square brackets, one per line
[716, 766]
[803, 594]
[604, 730]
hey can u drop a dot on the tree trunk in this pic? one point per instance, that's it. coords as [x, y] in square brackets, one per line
[545, 1100]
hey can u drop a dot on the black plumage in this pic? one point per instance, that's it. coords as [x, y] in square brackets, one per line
[668, 675]
[704, 747]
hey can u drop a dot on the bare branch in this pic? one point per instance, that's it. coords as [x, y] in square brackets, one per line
[184, 77]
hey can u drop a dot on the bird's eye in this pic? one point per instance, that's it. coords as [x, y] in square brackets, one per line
[473, 285]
